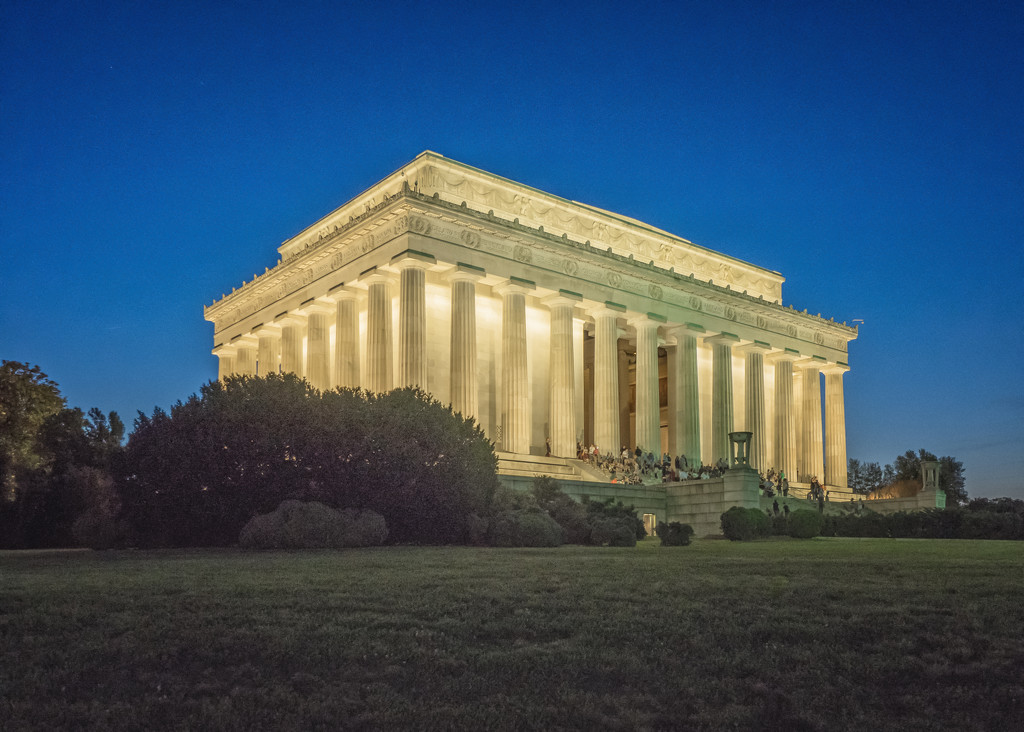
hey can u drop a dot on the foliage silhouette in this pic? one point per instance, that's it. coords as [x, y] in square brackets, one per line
[194, 477]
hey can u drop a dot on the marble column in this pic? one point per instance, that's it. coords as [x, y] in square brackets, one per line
[268, 349]
[785, 422]
[412, 321]
[379, 369]
[318, 345]
[562, 401]
[463, 340]
[292, 331]
[688, 393]
[346, 337]
[624, 398]
[753, 380]
[606, 378]
[245, 355]
[835, 427]
[648, 407]
[721, 394]
[225, 361]
[515, 383]
[811, 463]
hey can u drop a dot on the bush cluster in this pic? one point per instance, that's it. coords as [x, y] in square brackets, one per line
[675, 533]
[313, 525]
[524, 527]
[745, 524]
[546, 516]
[948, 523]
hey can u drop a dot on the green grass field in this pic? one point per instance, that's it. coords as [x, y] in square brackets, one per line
[824, 634]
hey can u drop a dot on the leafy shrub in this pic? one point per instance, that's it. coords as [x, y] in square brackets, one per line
[609, 509]
[618, 531]
[569, 514]
[579, 521]
[313, 525]
[804, 524]
[524, 527]
[674, 533]
[745, 524]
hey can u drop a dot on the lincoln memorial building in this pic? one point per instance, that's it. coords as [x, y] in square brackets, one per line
[549, 321]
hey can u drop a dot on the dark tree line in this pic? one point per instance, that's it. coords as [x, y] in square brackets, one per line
[867, 477]
[195, 475]
[56, 462]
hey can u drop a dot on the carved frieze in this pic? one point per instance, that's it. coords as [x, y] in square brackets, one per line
[581, 223]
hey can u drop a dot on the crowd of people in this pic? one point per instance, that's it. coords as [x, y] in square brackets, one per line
[635, 467]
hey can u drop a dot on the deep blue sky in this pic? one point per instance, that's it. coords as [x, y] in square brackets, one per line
[153, 155]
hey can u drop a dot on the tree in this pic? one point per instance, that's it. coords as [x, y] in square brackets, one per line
[27, 398]
[951, 473]
[245, 444]
[863, 477]
[55, 462]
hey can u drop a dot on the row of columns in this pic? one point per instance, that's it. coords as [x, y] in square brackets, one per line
[285, 336]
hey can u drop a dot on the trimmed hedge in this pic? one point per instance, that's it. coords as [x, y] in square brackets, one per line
[936, 523]
[804, 524]
[745, 524]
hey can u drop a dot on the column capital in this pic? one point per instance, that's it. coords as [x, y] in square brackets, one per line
[222, 350]
[314, 306]
[289, 318]
[755, 347]
[811, 363]
[411, 258]
[605, 309]
[374, 276]
[646, 320]
[722, 339]
[515, 285]
[835, 368]
[787, 354]
[466, 273]
[264, 330]
[245, 340]
[339, 292]
[563, 297]
[693, 329]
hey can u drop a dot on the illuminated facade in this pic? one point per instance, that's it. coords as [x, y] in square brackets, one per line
[547, 320]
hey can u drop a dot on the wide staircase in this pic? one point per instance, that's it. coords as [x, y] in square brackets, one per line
[532, 466]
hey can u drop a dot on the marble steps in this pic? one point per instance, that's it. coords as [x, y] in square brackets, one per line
[536, 465]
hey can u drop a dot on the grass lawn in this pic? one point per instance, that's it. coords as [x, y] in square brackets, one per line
[862, 634]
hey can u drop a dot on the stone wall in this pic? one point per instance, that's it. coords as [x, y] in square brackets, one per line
[923, 500]
[701, 503]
